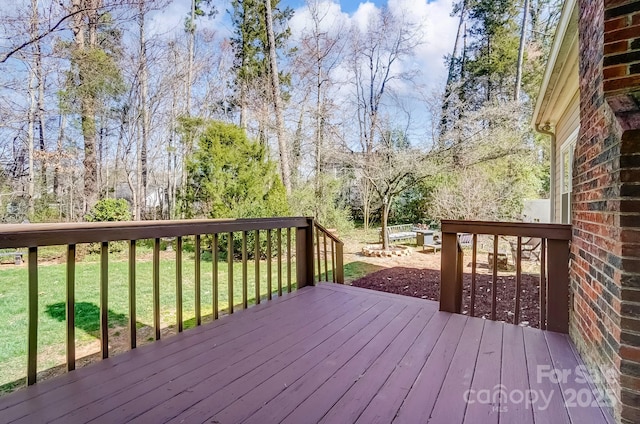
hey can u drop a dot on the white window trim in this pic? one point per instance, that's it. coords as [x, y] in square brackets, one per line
[569, 146]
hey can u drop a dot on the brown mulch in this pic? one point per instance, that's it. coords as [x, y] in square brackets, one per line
[425, 283]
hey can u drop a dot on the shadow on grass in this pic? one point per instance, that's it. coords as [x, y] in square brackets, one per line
[87, 316]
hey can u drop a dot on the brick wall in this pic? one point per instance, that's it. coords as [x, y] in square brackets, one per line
[605, 269]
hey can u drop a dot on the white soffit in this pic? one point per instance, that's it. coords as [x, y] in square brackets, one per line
[560, 80]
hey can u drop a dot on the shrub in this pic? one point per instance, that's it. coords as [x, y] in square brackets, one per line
[109, 210]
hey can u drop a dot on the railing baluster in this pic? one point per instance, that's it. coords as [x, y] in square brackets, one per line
[269, 264]
[104, 299]
[245, 294]
[317, 231]
[474, 261]
[339, 264]
[326, 263]
[71, 306]
[256, 254]
[516, 317]
[543, 284]
[179, 320]
[156, 287]
[214, 277]
[197, 283]
[132, 294]
[279, 232]
[333, 261]
[32, 355]
[230, 271]
[289, 260]
[494, 279]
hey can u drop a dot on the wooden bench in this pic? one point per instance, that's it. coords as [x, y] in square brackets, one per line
[17, 256]
[399, 232]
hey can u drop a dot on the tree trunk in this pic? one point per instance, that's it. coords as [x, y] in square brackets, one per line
[296, 148]
[448, 92]
[319, 131]
[386, 205]
[277, 100]
[31, 184]
[523, 36]
[87, 100]
[59, 152]
[144, 114]
[192, 37]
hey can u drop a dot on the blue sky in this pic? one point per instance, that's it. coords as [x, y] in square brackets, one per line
[348, 6]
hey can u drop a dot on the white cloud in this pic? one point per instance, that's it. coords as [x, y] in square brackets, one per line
[332, 19]
[365, 13]
[432, 19]
[171, 19]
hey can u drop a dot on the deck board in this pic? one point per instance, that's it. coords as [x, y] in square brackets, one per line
[514, 376]
[328, 353]
[486, 376]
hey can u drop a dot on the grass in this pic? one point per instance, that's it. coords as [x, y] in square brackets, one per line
[51, 303]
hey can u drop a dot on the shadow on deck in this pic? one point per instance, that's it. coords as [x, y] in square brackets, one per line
[328, 353]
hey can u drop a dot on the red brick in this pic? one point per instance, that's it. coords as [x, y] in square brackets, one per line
[627, 33]
[616, 23]
[631, 353]
[635, 19]
[622, 83]
[617, 47]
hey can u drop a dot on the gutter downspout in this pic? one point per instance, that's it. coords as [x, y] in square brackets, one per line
[546, 130]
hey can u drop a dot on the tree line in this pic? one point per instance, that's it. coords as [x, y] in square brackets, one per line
[96, 103]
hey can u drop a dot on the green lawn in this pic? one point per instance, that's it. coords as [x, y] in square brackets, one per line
[51, 303]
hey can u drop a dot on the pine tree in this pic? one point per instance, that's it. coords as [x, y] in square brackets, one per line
[250, 44]
[93, 78]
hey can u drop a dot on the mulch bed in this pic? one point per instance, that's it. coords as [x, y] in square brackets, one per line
[425, 283]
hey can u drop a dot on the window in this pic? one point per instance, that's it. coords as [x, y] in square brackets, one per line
[566, 175]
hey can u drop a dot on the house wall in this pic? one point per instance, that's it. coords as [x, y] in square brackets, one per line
[567, 124]
[605, 249]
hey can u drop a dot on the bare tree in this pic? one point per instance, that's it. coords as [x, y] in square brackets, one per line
[374, 54]
[283, 145]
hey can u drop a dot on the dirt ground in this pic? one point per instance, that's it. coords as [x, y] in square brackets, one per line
[418, 275]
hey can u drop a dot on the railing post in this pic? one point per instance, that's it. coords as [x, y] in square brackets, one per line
[450, 285]
[339, 262]
[558, 286]
[304, 254]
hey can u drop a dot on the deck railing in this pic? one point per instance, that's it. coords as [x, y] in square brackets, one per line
[267, 236]
[554, 268]
[336, 256]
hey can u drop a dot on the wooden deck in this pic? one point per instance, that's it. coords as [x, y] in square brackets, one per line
[329, 353]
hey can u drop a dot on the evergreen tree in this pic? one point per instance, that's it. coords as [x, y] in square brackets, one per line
[492, 54]
[230, 176]
[251, 52]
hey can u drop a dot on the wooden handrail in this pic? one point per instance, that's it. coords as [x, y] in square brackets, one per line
[328, 233]
[522, 229]
[31, 235]
[554, 266]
